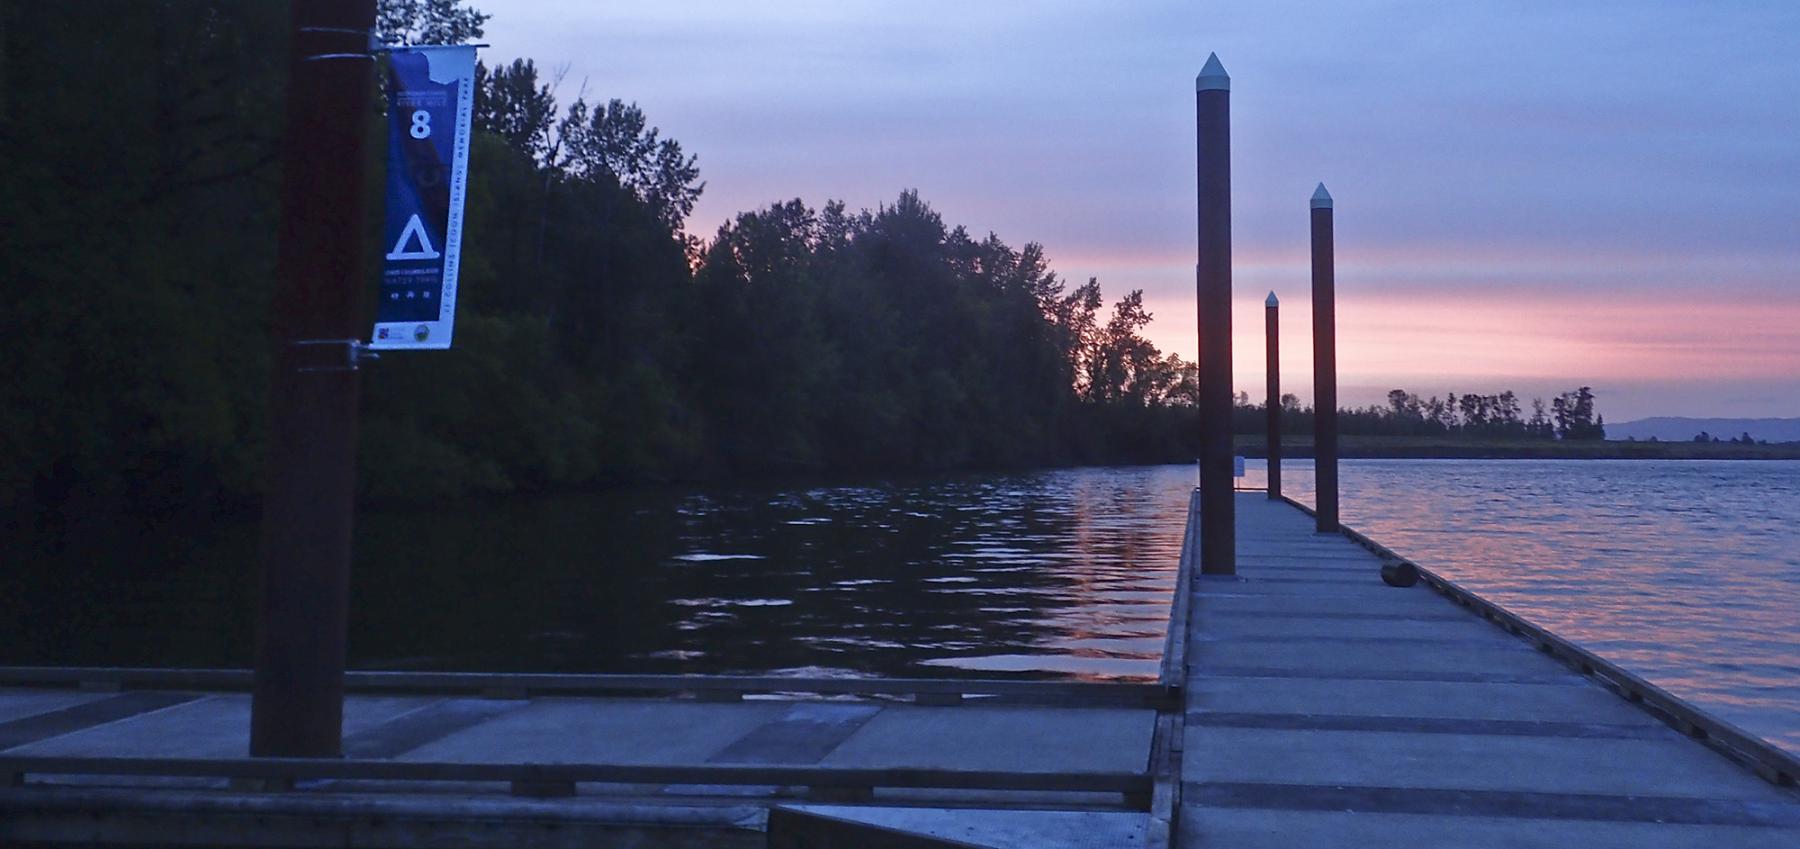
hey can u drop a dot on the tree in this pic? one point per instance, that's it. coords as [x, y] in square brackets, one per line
[614, 143]
[427, 22]
[1507, 415]
[1123, 367]
[1574, 414]
[136, 259]
[1405, 406]
[1475, 410]
[1539, 426]
[1075, 316]
[512, 104]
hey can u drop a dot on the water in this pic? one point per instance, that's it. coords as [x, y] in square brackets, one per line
[1059, 573]
[1685, 572]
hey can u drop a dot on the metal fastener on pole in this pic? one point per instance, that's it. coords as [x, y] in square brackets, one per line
[1325, 404]
[297, 701]
[1212, 127]
[1272, 333]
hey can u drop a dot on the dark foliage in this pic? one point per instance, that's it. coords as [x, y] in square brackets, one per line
[597, 341]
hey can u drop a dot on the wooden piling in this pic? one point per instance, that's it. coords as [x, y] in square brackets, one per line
[1272, 407]
[1212, 127]
[1325, 403]
[297, 708]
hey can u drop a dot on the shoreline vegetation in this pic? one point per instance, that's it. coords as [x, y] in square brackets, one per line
[1382, 447]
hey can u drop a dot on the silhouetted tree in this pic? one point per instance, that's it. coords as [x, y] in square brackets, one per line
[614, 143]
[511, 103]
[428, 22]
[1574, 415]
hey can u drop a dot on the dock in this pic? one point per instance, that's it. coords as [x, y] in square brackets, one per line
[1302, 702]
[1325, 708]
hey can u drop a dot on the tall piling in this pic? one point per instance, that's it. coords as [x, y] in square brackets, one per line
[1325, 403]
[297, 699]
[1212, 128]
[1272, 406]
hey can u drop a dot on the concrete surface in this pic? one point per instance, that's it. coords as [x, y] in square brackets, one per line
[1001, 738]
[1002, 829]
[1326, 709]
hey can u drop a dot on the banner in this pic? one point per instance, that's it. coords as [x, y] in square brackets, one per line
[431, 96]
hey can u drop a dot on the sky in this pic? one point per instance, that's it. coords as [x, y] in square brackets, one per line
[1529, 195]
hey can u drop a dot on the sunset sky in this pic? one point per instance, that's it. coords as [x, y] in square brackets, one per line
[1529, 195]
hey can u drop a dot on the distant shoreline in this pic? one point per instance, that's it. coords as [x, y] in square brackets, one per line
[1450, 448]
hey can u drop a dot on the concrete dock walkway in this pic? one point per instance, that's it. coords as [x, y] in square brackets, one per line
[1327, 709]
[147, 766]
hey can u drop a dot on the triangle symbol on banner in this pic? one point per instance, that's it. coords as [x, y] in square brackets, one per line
[414, 227]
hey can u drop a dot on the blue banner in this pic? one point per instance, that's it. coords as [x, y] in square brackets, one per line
[430, 100]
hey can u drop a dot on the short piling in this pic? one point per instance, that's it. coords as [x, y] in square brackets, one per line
[1272, 333]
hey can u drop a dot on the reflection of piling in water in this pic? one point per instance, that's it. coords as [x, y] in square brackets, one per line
[1325, 426]
[1212, 127]
[1272, 332]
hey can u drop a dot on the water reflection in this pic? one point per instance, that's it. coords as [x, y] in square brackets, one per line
[1053, 573]
[1686, 572]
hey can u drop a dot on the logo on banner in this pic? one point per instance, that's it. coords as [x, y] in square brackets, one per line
[414, 230]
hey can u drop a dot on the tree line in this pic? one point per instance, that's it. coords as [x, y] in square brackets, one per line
[1570, 415]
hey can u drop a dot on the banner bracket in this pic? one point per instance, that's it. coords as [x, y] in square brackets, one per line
[367, 35]
[354, 354]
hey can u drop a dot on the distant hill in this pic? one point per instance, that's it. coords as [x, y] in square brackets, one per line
[1677, 429]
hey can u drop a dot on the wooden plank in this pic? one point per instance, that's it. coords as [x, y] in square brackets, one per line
[307, 769]
[1174, 659]
[792, 829]
[1661, 810]
[514, 685]
[1166, 750]
[805, 734]
[1427, 725]
[133, 817]
[66, 720]
[433, 722]
[1165, 786]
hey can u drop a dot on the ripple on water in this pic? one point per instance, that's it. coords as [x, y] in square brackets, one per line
[708, 557]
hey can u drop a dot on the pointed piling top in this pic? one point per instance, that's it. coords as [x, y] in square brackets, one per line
[1321, 199]
[1212, 76]
[1271, 302]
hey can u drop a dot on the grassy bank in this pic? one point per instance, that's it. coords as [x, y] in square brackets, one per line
[1424, 447]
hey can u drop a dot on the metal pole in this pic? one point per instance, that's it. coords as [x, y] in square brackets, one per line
[298, 693]
[1272, 333]
[1212, 126]
[1325, 404]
